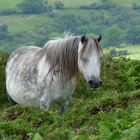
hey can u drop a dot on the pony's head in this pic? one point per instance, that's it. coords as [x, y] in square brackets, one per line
[89, 59]
[62, 55]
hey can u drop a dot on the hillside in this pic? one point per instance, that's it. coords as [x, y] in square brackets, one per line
[9, 3]
[126, 3]
[19, 23]
[72, 3]
[111, 113]
[110, 18]
[133, 52]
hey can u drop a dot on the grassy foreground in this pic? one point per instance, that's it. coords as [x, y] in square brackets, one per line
[111, 113]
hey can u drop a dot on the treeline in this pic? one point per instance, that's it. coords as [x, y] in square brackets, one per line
[118, 25]
[32, 7]
[11, 41]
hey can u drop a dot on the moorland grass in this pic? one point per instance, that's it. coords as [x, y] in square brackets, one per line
[111, 113]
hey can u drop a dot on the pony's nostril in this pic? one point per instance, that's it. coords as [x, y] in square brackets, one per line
[94, 84]
[90, 82]
[101, 83]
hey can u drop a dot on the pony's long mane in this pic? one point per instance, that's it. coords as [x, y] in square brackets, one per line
[62, 55]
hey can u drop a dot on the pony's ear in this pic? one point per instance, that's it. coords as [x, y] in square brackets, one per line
[99, 38]
[83, 39]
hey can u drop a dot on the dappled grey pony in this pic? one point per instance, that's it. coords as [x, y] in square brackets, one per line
[47, 76]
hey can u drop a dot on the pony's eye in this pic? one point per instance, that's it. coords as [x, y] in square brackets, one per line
[85, 60]
[101, 59]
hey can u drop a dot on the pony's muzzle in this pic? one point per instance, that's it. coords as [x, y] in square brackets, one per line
[94, 84]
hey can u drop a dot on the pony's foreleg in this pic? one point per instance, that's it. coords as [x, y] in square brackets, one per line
[65, 105]
[45, 103]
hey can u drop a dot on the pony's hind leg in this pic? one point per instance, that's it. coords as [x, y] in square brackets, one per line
[11, 101]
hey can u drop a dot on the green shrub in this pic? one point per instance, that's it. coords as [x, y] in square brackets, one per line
[110, 113]
[32, 7]
[59, 5]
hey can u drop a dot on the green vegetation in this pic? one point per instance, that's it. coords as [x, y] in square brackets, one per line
[133, 35]
[32, 7]
[72, 3]
[126, 3]
[116, 53]
[67, 3]
[59, 5]
[112, 112]
[132, 52]
[114, 36]
[32, 22]
[134, 56]
[25, 23]
[8, 3]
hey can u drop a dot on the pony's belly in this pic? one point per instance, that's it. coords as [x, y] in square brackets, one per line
[20, 76]
[21, 95]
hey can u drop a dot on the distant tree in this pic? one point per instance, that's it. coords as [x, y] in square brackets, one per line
[104, 1]
[69, 23]
[33, 6]
[4, 28]
[8, 11]
[116, 53]
[59, 5]
[113, 36]
[3, 32]
[91, 28]
[113, 52]
[42, 34]
[133, 35]
[135, 6]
